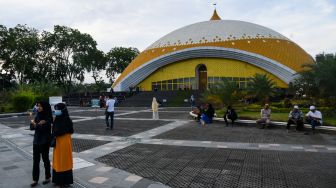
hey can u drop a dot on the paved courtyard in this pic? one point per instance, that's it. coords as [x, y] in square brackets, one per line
[175, 151]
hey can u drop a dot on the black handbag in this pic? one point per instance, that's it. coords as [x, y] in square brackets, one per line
[53, 142]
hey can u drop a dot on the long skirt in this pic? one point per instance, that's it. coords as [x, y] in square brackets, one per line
[62, 161]
[155, 115]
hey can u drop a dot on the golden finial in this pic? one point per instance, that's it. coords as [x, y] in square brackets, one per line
[215, 15]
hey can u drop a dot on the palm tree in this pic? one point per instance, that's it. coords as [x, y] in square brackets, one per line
[262, 87]
[223, 93]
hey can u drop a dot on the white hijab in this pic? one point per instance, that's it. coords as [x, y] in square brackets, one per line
[155, 105]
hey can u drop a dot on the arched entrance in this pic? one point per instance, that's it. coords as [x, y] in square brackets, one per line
[202, 77]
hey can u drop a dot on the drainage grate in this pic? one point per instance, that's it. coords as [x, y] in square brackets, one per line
[79, 145]
[180, 166]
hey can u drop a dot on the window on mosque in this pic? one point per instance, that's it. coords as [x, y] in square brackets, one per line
[170, 87]
[175, 87]
[189, 83]
[164, 87]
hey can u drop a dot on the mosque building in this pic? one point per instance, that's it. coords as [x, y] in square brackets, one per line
[199, 55]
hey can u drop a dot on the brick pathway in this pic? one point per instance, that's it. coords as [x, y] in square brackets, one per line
[175, 151]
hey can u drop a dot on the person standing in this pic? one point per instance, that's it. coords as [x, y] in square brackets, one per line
[314, 118]
[116, 101]
[192, 101]
[230, 114]
[62, 154]
[295, 117]
[109, 112]
[155, 109]
[41, 144]
[265, 114]
[101, 101]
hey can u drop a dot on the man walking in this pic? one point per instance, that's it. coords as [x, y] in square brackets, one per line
[109, 112]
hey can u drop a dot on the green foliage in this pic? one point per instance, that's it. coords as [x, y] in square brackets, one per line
[22, 100]
[317, 81]
[23, 97]
[72, 52]
[178, 99]
[222, 94]
[18, 47]
[262, 87]
[45, 89]
[118, 59]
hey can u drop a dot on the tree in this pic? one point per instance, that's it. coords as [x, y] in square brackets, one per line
[118, 59]
[72, 52]
[98, 64]
[19, 46]
[224, 93]
[317, 81]
[261, 87]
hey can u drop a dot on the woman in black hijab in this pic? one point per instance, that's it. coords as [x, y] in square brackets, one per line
[62, 155]
[41, 144]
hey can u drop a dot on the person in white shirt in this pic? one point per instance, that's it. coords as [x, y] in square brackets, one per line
[155, 108]
[265, 114]
[314, 118]
[109, 112]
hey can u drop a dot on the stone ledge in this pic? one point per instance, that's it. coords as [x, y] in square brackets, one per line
[280, 123]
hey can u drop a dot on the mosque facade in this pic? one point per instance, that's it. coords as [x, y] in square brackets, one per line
[200, 55]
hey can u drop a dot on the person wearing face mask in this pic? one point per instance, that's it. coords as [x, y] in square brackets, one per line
[314, 118]
[62, 155]
[42, 127]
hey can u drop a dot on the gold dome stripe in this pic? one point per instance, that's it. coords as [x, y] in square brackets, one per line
[282, 51]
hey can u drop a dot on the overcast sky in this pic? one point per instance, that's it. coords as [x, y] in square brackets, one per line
[139, 23]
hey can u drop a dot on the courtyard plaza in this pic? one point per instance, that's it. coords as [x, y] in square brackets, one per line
[174, 151]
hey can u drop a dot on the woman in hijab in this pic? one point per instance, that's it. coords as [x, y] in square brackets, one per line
[208, 114]
[41, 144]
[155, 108]
[62, 155]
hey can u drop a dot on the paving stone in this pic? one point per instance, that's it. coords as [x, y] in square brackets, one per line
[104, 169]
[244, 133]
[224, 167]
[98, 180]
[133, 178]
[121, 127]
[79, 145]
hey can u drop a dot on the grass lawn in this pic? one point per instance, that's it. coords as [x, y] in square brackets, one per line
[327, 120]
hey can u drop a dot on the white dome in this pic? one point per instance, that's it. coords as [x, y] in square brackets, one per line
[215, 31]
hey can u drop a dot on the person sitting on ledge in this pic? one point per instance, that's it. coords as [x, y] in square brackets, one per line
[230, 114]
[314, 118]
[295, 117]
[265, 116]
[208, 114]
[198, 111]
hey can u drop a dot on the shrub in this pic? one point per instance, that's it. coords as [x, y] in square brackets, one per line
[287, 103]
[22, 102]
